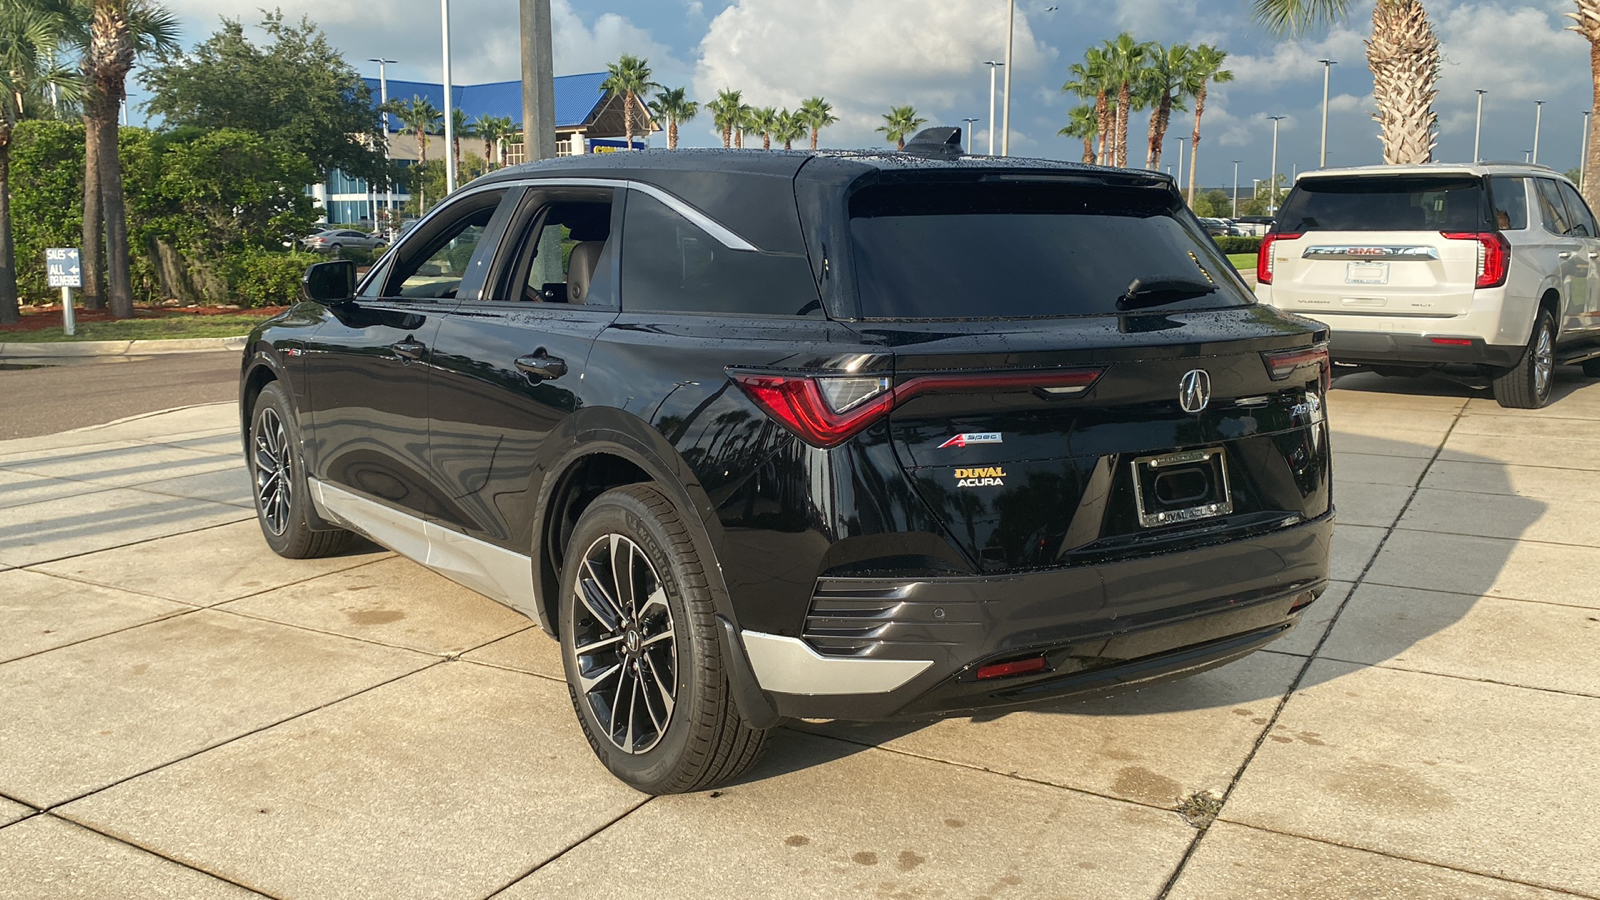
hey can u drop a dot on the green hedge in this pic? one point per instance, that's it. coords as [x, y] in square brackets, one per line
[267, 278]
[1239, 244]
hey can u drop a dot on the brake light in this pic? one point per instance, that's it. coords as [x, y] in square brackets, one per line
[1494, 256]
[1283, 364]
[1015, 667]
[1264, 255]
[825, 410]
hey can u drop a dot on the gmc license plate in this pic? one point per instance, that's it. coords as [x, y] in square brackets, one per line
[1181, 487]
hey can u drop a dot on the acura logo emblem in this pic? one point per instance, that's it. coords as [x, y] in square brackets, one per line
[1194, 390]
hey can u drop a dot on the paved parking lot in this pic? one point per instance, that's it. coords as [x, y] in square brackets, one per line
[183, 714]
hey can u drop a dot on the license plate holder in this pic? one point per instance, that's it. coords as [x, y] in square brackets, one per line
[1175, 488]
[1366, 273]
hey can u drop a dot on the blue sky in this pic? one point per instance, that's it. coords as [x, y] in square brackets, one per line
[865, 55]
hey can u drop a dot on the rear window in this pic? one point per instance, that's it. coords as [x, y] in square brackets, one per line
[1510, 196]
[1025, 250]
[1387, 203]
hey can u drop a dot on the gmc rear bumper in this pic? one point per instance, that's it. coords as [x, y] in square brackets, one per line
[1100, 628]
[1387, 348]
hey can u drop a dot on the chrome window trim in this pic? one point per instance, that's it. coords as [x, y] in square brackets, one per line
[724, 235]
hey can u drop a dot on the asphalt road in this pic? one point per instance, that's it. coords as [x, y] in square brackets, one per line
[49, 399]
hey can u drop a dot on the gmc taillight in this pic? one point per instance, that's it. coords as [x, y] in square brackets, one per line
[1282, 364]
[1264, 255]
[827, 410]
[1494, 255]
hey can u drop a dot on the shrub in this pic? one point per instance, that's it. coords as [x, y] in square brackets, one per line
[1239, 244]
[269, 278]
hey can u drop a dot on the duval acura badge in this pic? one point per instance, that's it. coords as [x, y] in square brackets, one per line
[988, 476]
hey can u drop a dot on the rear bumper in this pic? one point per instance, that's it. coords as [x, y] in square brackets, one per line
[1100, 628]
[1385, 348]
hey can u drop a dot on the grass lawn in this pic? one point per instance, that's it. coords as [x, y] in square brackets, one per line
[1244, 262]
[144, 329]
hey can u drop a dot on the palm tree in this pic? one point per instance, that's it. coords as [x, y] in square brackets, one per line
[1588, 24]
[817, 113]
[742, 124]
[1164, 87]
[493, 130]
[725, 112]
[153, 29]
[28, 40]
[791, 127]
[1403, 54]
[673, 106]
[1205, 66]
[1083, 123]
[110, 56]
[900, 123]
[629, 77]
[1092, 79]
[1127, 61]
[420, 117]
[764, 121]
[459, 128]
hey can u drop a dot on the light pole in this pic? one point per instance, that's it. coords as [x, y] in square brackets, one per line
[969, 133]
[538, 89]
[1538, 112]
[1235, 190]
[1005, 122]
[449, 105]
[1272, 200]
[993, 68]
[1477, 130]
[1180, 159]
[1583, 152]
[1327, 68]
[383, 101]
[1527, 155]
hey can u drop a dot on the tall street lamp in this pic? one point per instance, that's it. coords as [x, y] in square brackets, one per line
[1538, 110]
[1477, 130]
[1272, 201]
[449, 105]
[1005, 124]
[1180, 159]
[1235, 190]
[383, 101]
[1327, 67]
[1583, 152]
[969, 122]
[993, 68]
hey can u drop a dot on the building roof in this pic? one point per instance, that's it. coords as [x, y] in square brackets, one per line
[578, 98]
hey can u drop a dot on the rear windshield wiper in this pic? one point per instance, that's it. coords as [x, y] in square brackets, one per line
[1159, 290]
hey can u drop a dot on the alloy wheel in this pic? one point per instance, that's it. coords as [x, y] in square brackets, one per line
[272, 471]
[1544, 362]
[623, 641]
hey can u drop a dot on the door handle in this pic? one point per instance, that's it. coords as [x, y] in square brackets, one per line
[541, 365]
[409, 349]
[1565, 254]
[1594, 255]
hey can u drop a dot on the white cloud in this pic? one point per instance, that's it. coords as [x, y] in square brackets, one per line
[865, 56]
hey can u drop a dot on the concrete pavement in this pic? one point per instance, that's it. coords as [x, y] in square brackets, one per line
[187, 715]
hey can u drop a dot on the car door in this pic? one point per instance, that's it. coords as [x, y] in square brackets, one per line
[367, 370]
[1587, 316]
[1570, 253]
[509, 368]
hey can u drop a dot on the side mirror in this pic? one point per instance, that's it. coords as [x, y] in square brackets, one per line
[330, 283]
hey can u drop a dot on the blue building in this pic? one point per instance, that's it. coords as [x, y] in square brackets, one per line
[588, 120]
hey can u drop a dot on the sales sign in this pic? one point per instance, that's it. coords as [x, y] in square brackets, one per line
[61, 265]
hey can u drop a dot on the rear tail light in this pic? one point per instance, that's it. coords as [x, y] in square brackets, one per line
[1284, 363]
[1494, 256]
[1451, 342]
[827, 410]
[1264, 255]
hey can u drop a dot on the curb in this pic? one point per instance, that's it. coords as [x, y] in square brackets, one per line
[78, 349]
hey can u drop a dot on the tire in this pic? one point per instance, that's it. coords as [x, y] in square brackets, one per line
[1527, 384]
[278, 483]
[1591, 368]
[335, 248]
[662, 649]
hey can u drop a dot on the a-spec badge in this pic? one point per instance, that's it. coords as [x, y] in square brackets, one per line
[977, 437]
[1194, 390]
[986, 476]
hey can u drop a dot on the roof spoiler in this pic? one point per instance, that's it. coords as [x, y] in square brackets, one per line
[940, 142]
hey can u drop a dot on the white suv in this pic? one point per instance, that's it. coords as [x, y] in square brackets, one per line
[1414, 267]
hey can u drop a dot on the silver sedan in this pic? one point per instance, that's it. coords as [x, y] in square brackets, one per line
[335, 239]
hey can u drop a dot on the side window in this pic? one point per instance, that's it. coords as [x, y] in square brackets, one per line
[1551, 209]
[1578, 211]
[670, 265]
[565, 253]
[431, 263]
[1510, 202]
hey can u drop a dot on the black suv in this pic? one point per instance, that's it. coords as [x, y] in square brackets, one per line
[840, 435]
